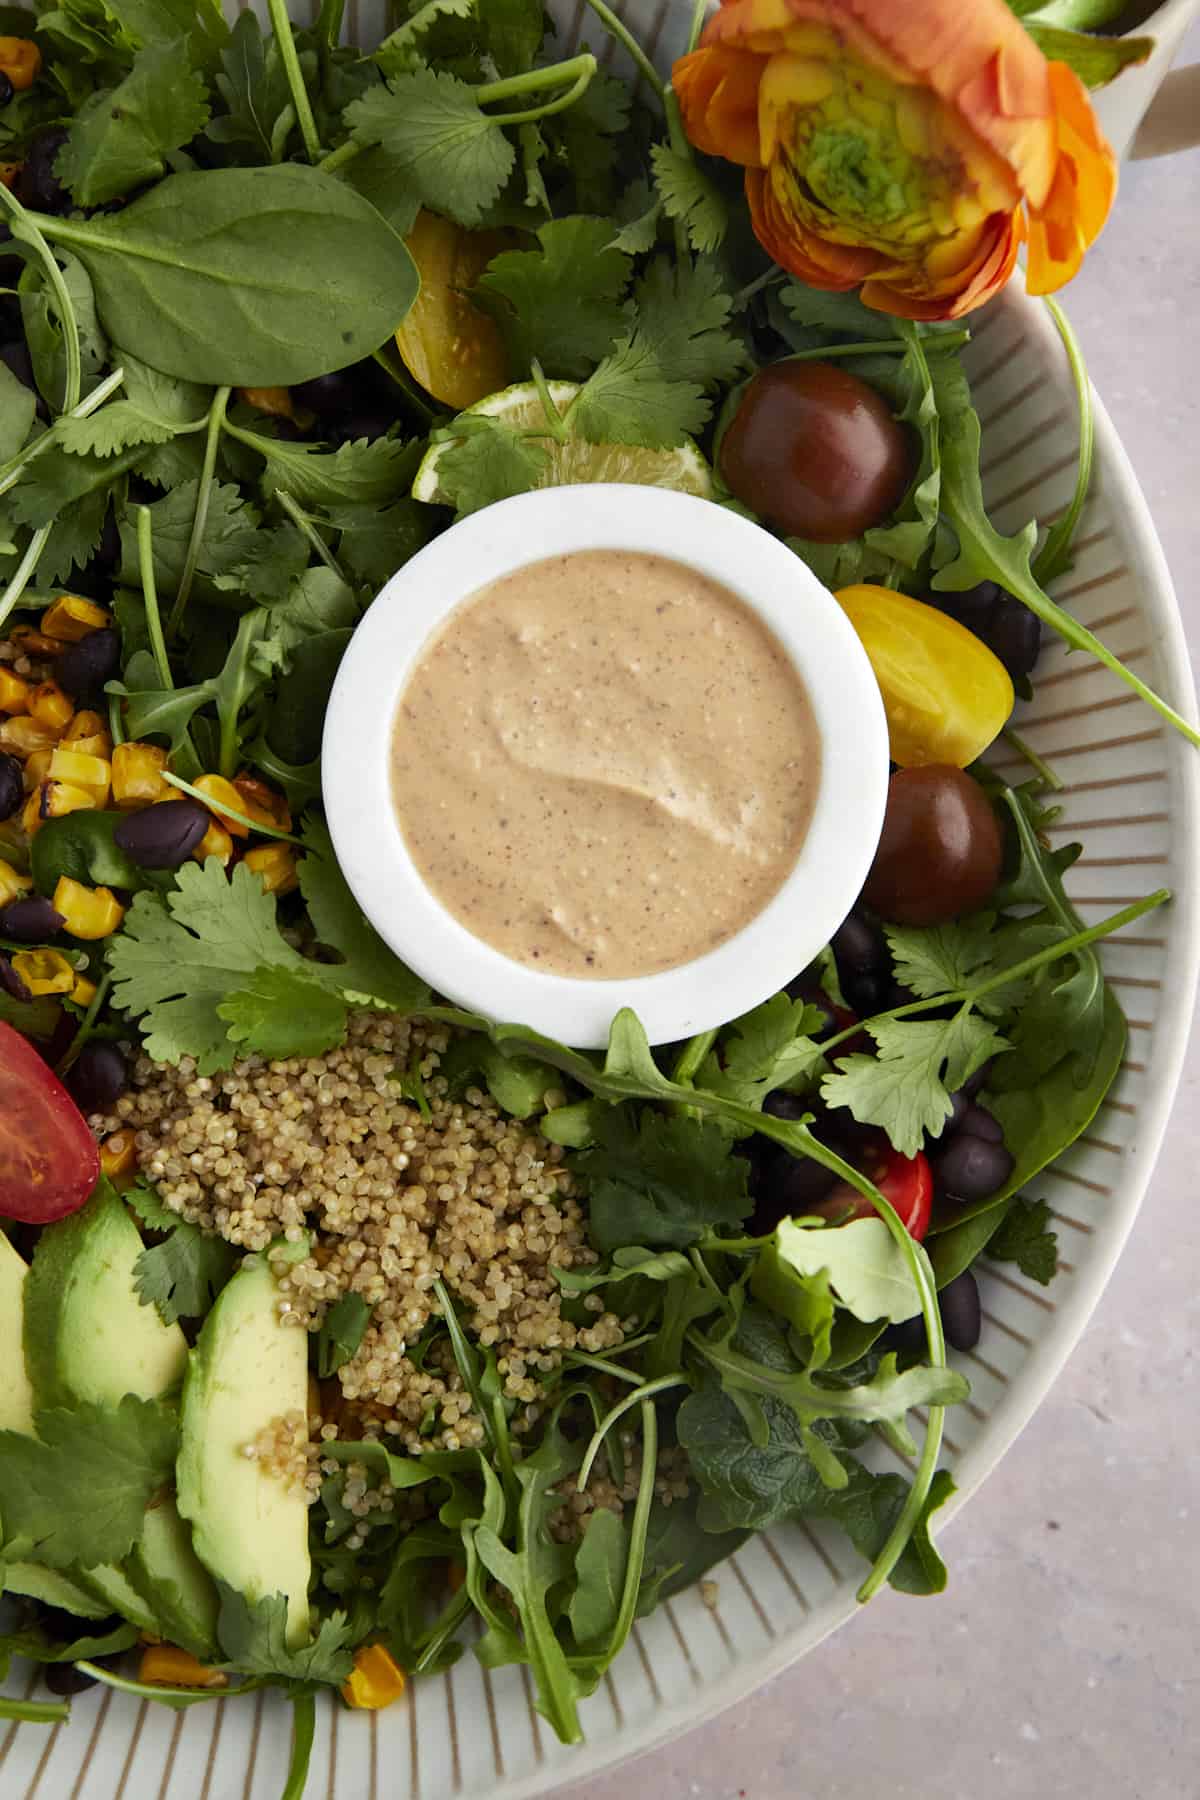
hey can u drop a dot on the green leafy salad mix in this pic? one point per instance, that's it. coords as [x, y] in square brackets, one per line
[273, 313]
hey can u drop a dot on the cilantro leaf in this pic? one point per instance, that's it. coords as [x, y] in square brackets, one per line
[561, 303]
[229, 532]
[488, 465]
[940, 959]
[684, 313]
[342, 1333]
[630, 399]
[375, 541]
[120, 137]
[115, 427]
[763, 1050]
[183, 1275]
[76, 1493]
[905, 1088]
[401, 50]
[253, 1635]
[660, 1181]
[444, 147]
[278, 1014]
[690, 196]
[369, 971]
[366, 472]
[1024, 1238]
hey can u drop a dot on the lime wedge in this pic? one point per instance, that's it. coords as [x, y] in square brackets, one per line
[683, 468]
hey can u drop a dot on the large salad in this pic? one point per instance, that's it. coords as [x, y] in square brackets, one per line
[340, 1328]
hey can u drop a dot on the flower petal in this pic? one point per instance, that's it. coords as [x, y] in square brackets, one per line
[717, 90]
[1085, 183]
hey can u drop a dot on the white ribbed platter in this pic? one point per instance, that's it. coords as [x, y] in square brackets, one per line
[1133, 798]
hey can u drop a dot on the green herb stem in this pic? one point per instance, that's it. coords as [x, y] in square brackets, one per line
[643, 1394]
[231, 812]
[1041, 768]
[688, 1062]
[304, 1726]
[12, 471]
[578, 71]
[25, 569]
[1054, 556]
[337, 159]
[295, 78]
[176, 1697]
[145, 544]
[35, 1712]
[212, 441]
[26, 228]
[304, 524]
[636, 1560]
[86, 1025]
[699, 9]
[629, 43]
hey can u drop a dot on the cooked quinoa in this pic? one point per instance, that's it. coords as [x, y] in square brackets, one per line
[393, 1200]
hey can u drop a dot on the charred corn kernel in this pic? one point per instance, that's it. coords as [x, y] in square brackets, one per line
[58, 798]
[31, 642]
[31, 816]
[374, 1681]
[118, 1161]
[275, 866]
[20, 60]
[14, 692]
[88, 733]
[84, 991]
[44, 971]
[165, 1666]
[215, 787]
[262, 803]
[71, 617]
[22, 736]
[137, 775]
[92, 773]
[215, 842]
[88, 913]
[12, 883]
[37, 767]
[100, 745]
[50, 706]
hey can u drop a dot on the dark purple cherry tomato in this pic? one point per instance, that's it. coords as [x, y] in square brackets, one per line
[940, 850]
[816, 452]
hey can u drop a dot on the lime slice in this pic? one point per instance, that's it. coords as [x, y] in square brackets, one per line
[683, 469]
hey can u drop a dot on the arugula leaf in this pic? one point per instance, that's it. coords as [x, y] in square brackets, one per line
[561, 304]
[183, 1275]
[279, 1014]
[77, 1492]
[599, 1578]
[254, 86]
[369, 974]
[35, 1646]
[691, 196]
[660, 1181]
[1096, 60]
[452, 156]
[868, 1507]
[1025, 1238]
[341, 1333]
[860, 1260]
[120, 137]
[253, 1636]
[654, 1265]
[905, 1088]
[43, 329]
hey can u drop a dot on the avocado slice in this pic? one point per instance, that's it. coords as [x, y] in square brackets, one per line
[87, 1334]
[249, 1529]
[168, 1575]
[16, 1394]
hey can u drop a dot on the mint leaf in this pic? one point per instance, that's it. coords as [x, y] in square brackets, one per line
[183, 1275]
[75, 1494]
[905, 1088]
[278, 1014]
[253, 1636]
[690, 196]
[1025, 1238]
[660, 1181]
[444, 148]
[369, 971]
[560, 304]
[120, 136]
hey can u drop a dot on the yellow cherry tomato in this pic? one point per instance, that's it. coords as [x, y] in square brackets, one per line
[455, 351]
[945, 694]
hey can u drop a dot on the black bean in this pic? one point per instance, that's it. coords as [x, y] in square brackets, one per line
[329, 395]
[858, 945]
[908, 1335]
[971, 1168]
[32, 920]
[980, 1123]
[786, 1186]
[65, 1679]
[7, 90]
[12, 788]
[85, 666]
[1008, 628]
[972, 1085]
[866, 993]
[37, 184]
[162, 837]
[961, 1313]
[961, 1106]
[782, 1105]
[98, 1076]
[11, 983]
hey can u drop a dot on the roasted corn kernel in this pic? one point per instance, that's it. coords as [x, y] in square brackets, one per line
[22, 736]
[118, 1158]
[275, 866]
[215, 842]
[50, 706]
[20, 60]
[84, 991]
[261, 803]
[45, 971]
[215, 787]
[58, 798]
[375, 1680]
[12, 883]
[88, 734]
[165, 1666]
[71, 617]
[32, 642]
[88, 913]
[92, 773]
[14, 692]
[31, 816]
[137, 775]
[37, 767]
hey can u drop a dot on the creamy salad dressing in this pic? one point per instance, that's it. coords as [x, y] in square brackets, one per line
[604, 764]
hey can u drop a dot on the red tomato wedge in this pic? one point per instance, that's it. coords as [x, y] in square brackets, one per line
[49, 1160]
[907, 1181]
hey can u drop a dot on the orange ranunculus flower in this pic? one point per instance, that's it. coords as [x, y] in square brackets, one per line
[907, 146]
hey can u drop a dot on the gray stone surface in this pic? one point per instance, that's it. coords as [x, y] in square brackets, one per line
[1065, 1658]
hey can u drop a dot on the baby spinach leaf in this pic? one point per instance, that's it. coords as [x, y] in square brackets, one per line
[660, 1181]
[208, 275]
[120, 136]
[81, 845]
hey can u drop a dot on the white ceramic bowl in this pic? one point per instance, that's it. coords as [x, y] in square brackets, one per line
[836, 854]
[1132, 796]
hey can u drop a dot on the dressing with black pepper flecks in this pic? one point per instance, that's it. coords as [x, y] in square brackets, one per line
[604, 764]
